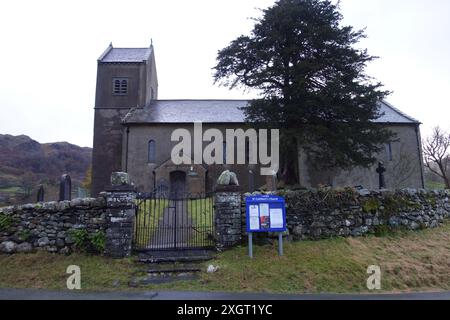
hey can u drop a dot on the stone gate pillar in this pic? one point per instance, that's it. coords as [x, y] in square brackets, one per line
[120, 201]
[228, 216]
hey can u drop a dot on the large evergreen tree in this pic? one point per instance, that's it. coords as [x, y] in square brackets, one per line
[312, 82]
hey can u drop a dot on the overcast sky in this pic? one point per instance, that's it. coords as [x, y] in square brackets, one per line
[49, 51]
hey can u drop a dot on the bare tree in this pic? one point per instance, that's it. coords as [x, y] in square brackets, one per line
[436, 151]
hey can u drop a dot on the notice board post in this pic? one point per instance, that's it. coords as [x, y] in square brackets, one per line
[265, 213]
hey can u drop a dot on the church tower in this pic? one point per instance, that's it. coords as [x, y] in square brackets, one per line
[126, 78]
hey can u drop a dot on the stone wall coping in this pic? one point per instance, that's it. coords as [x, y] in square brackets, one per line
[56, 206]
[363, 192]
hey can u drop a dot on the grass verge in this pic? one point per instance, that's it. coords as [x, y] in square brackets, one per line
[409, 261]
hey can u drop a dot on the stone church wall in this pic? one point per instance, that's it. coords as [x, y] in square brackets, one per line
[110, 109]
[107, 151]
[142, 172]
[403, 170]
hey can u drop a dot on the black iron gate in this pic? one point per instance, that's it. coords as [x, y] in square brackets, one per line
[168, 221]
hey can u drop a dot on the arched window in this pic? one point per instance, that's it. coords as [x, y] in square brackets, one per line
[120, 86]
[389, 155]
[152, 151]
[247, 151]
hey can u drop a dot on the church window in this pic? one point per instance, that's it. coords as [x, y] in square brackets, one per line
[224, 153]
[120, 86]
[388, 147]
[247, 151]
[152, 151]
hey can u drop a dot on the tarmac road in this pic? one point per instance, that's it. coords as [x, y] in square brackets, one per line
[35, 294]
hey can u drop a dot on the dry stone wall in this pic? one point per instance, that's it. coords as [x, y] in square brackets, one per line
[326, 213]
[103, 225]
[51, 226]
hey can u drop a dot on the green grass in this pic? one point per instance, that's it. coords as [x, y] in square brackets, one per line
[44, 270]
[150, 213]
[11, 190]
[409, 261]
[201, 212]
[432, 185]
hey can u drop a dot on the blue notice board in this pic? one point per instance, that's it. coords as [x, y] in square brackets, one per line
[265, 213]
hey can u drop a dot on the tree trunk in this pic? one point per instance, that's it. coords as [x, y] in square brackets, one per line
[447, 183]
[289, 157]
[444, 174]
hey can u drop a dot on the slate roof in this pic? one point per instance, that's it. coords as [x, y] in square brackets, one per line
[125, 55]
[393, 115]
[224, 111]
[188, 111]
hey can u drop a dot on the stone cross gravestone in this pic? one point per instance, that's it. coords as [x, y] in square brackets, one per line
[381, 170]
[40, 194]
[65, 188]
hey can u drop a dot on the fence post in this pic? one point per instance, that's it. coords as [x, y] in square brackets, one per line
[120, 201]
[228, 216]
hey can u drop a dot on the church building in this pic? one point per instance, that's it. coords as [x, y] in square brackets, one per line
[133, 128]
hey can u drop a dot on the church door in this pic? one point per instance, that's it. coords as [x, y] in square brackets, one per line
[177, 183]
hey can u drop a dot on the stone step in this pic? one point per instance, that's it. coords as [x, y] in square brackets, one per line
[165, 272]
[173, 256]
[173, 259]
[173, 268]
[158, 278]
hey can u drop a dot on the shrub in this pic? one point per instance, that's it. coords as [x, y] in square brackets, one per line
[98, 241]
[80, 237]
[371, 205]
[382, 231]
[6, 222]
[24, 235]
[89, 242]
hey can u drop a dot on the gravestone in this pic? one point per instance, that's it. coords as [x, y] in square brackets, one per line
[65, 188]
[381, 170]
[40, 194]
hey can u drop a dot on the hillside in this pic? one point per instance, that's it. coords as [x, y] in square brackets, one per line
[25, 163]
